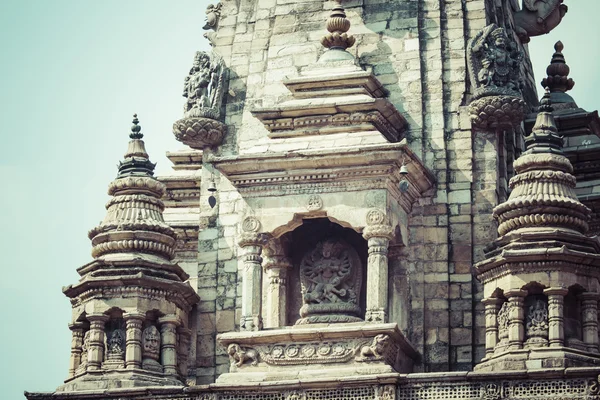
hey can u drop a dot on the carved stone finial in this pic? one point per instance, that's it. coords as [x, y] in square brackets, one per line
[558, 72]
[338, 26]
[204, 88]
[136, 129]
[494, 67]
[538, 17]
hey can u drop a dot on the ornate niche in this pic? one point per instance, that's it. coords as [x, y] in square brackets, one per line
[203, 88]
[326, 282]
[115, 344]
[536, 321]
[494, 67]
[331, 279]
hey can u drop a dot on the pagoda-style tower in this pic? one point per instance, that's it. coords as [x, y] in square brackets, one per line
[130, 308]
[541, 275]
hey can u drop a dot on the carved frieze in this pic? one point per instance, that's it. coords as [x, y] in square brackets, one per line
[331, 278]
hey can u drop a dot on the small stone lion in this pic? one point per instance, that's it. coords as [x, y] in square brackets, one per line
[241, 356]
[377, 348]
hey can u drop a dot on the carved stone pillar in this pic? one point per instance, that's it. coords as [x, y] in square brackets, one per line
[556, 331]
[589, 320]
[516, 326]
[492, 306]
[276, 267]
[133, 342]
[378, 236]
[251, 243]
[168, 339]
[96, 344]
[76, 343]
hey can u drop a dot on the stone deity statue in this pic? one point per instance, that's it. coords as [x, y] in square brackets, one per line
[499, 62]
[115, 345]
[330, 276]
[151, 349]
[203, 87]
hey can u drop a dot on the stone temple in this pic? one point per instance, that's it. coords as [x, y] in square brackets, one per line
[373, 203]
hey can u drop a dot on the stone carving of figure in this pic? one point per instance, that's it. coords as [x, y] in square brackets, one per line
[213, 13]
[84, 353]
[203, 87]
[495, 72]
[331, 278]
[498, 61]
[536, 327]
[503, 322]
[151, 349]
[538, 17]
[115, 345]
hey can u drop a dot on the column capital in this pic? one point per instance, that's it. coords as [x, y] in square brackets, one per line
[97, 317]
[589, 296]
[248, 239]
[492, 301]
[272, 262]
[78, 325]
[133, 315]
[378, 231]
[513, 293]
[170, 319]
[556, 291]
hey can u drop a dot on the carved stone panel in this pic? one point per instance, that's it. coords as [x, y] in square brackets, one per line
[536, 321]
[330, 276]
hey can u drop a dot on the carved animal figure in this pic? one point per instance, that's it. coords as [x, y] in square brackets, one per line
[377, 347]
[538, 17]
[240, 356]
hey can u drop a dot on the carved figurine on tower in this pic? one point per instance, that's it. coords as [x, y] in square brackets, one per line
[203, 88]
[494, 64]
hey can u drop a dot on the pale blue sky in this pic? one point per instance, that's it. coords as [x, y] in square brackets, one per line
[73, 72]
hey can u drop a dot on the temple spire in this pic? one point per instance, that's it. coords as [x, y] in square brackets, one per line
[544, 137]
[136, 162]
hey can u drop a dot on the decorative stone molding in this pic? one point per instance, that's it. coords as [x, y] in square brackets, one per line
[320, 349]
[362, 168]
[538, 17]
[204, 88]
[494, 67]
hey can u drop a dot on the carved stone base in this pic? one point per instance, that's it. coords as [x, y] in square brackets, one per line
[338, 350]
[497, 111]
[327, 319]
[152, 365]
[536, 358]
[199, 132]
[117, 378]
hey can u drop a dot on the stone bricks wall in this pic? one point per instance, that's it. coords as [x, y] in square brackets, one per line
[416, 48]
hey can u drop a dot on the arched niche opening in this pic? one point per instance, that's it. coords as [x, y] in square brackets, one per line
[573, 318]
[327, 280]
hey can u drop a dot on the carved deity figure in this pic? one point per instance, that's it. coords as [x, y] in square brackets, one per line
[536, 326]
[151, 349]
[84, 353]
[494, 63]
[503, 322]
[115, 345]
[538, 17]
[203, 87]
[330, 276]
